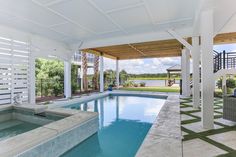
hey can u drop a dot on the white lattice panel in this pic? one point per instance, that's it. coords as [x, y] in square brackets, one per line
[14, 69]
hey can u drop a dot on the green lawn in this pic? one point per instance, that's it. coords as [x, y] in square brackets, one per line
[152, 89]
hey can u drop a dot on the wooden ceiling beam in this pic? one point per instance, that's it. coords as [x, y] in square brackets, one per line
[225, 38]
[164, 48]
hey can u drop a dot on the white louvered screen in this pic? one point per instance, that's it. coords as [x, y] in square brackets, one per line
[14, 69]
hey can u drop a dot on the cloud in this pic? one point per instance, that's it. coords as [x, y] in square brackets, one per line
[139, 66]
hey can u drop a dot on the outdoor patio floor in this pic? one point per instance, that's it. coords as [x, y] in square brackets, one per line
[220, 141]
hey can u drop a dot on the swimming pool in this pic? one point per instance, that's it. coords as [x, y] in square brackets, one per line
[123, 124]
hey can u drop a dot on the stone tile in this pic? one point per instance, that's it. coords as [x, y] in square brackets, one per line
[33, 108]
[186, 117]
[225, 122]
[160, 146]
[198, 147]
[226, 138]
[189, 103]
[197, 127]
[70, 122]
[219, 104]
[64, 141]
[199, 114]
[25, 141]
[168, 121]
[165, 137]
[184, 133]
[188, 109]
[62, 111]
[219, 110]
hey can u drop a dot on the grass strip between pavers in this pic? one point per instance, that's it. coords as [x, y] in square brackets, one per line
[231, 154]
[203, 135]
[190, 121]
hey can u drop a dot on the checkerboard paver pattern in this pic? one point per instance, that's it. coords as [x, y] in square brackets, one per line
[219, 141]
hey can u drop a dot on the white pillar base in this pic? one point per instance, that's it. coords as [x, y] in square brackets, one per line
[208, 85]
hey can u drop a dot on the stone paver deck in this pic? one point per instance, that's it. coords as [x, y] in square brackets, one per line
[220, 141]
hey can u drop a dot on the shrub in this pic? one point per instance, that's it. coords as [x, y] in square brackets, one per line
[218, 94]
[230, 83]
[142, 84]
[128, 83]
[135, 85]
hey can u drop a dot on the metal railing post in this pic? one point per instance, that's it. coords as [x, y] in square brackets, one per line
[224, 59]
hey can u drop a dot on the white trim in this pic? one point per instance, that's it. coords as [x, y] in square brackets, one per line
[180, 39]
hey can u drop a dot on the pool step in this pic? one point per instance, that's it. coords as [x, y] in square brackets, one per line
[9, 124]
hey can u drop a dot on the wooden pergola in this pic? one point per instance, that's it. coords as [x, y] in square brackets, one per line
[152, 49]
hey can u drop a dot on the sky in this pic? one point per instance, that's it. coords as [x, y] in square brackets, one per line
[155, 65]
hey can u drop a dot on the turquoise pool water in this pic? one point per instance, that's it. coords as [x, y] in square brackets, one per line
[14, 127]
[123, 124]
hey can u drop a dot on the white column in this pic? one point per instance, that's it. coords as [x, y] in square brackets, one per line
[224, 88]
[117, 74]
[196, 72]
[185, 72]
[207, 84]
[32, 98]
[101, 75]
[67, 79]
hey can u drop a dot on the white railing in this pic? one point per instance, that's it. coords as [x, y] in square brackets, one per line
[78, 57]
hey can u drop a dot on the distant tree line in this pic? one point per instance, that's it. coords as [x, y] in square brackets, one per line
[157, 75]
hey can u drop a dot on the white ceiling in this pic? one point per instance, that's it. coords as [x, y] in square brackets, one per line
[78, 20]
[73, 21]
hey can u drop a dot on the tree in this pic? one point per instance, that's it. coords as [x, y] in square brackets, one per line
[123, 76]
[109, 77]
[49, 76]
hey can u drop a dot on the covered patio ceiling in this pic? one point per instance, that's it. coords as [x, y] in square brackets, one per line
[114, 28]
[152, 49]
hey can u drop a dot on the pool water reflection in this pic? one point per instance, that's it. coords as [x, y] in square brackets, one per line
[123, 124]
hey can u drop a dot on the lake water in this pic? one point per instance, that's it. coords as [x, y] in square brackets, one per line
[151, 83]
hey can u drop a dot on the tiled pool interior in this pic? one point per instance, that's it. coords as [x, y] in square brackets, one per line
[16, 121]
[123, 124]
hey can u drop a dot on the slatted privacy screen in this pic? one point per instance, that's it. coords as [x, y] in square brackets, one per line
[14, 69]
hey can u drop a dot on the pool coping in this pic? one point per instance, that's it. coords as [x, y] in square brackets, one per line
[164, 138]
